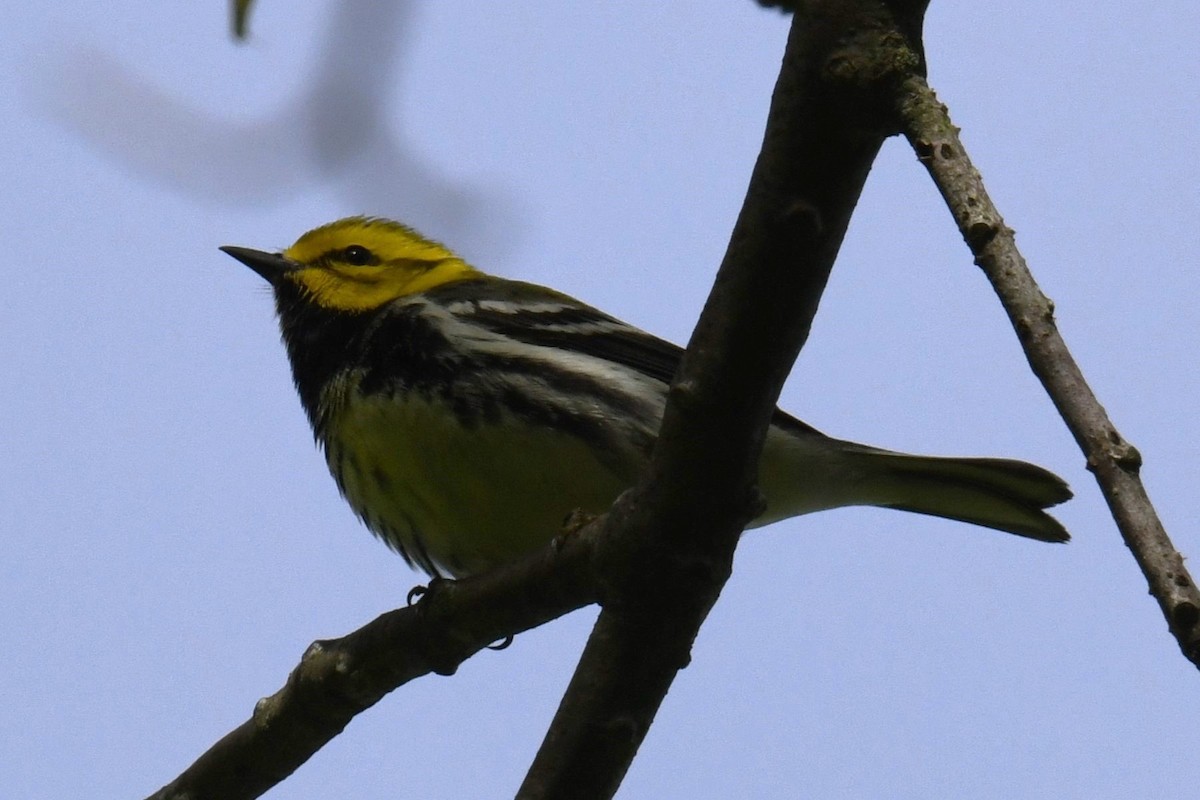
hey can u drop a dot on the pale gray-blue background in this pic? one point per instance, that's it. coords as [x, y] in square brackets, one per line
[170, 538]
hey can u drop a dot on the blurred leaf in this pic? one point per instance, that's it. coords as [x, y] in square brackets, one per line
[241, 15]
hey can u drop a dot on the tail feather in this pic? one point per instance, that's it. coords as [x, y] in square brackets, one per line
[996, 493]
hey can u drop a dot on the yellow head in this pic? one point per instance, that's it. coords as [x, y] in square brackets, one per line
[358, 264]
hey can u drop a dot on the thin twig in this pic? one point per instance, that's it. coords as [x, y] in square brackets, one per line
[1114, 461]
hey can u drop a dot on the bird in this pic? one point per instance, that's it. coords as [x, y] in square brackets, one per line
[465, 416]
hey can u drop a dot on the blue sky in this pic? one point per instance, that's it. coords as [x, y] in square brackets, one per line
[172, 541]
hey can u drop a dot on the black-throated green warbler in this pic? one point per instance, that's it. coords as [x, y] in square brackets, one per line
[465, 417]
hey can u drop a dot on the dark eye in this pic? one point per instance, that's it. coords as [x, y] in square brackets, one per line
[359, 256]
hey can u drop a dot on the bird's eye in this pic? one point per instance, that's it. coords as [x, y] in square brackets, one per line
[359, 256]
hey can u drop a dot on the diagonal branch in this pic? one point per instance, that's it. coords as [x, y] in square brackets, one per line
[669, 542]
[1113, 460]
[339, 678]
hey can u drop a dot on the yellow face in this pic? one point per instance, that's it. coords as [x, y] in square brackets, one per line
[362, 263]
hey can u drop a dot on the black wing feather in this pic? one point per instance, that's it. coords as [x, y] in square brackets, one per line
[547, 318]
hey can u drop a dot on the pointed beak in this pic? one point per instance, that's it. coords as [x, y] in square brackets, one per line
[272, 266]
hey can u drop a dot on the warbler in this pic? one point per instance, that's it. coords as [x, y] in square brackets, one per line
[465, 416]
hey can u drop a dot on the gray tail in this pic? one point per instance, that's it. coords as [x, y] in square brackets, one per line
[993, 492]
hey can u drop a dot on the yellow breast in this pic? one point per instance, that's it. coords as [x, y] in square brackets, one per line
[464, 497]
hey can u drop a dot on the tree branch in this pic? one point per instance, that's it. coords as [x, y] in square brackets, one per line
[668, 544]
[339, 678]
[1114, 461]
